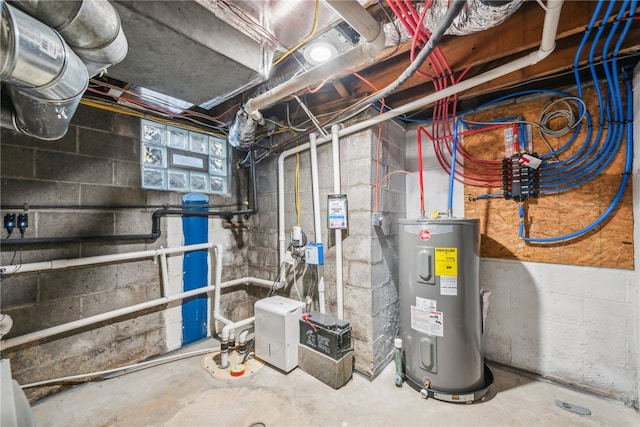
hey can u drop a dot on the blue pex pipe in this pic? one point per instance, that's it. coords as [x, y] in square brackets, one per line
[453, 166]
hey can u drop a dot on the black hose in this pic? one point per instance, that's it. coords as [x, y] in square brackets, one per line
[436, 36]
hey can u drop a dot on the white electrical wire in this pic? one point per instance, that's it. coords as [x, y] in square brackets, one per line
[546, 115]
[313, 118]
[135, 366]
[566, 113]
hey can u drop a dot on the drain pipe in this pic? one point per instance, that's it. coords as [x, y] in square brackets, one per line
[317, 223]
[156, 229]
[262, 283]
[113, 314]
[230, 326]
[224, 339]
[337, 189]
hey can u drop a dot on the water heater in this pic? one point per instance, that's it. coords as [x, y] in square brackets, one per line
[440, 308]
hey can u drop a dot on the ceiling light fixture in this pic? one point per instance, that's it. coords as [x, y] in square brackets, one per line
[318, 52]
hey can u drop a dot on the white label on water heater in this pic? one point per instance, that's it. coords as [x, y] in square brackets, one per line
[428, 322]
[426, 304]
[448, 285]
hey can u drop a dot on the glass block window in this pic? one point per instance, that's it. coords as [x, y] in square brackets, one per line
[175, 159]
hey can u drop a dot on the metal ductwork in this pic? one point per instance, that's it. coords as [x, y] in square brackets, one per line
[90, 27]
[242, 130]
[43, 75]
[44, 78]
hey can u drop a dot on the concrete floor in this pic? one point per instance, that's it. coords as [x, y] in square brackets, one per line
[183, 393]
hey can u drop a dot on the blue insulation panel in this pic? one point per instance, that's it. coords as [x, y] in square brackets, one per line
[194, 271]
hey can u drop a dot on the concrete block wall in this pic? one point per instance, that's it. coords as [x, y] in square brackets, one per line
[369, 254]
[97, 163]
[573, 324]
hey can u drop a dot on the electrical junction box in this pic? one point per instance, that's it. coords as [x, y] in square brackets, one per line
[277, 331]
[314, 253]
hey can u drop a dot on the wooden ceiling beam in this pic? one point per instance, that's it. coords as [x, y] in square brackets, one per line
[520, 33]
[561, 60]
[514, 38]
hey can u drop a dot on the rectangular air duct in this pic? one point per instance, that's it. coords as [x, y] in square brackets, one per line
[183, 50]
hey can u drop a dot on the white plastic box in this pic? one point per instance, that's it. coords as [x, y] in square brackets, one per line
[277, 331]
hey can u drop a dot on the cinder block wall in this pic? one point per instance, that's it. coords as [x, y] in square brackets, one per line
[97, 163]
[369, 254]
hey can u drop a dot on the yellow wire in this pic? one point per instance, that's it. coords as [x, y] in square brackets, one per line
[125, 111]
[306, 39]
[297, 189]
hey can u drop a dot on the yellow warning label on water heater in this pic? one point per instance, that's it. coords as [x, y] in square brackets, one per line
[446, 261]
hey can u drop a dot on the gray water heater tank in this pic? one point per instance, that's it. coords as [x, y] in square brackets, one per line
[440, 307]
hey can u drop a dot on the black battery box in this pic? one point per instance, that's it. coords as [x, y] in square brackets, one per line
[326, 334]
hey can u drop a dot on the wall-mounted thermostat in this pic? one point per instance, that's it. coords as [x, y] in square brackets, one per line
[337, 211]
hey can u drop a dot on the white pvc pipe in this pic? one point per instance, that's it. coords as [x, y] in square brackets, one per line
[87, 321]
[242, 281]
[129, 368]
[226, 332]
[242, 338]
[317, 223]
[100, 259]
[254, 281]
[547, 44]
[337, 189]
[281, 208]
[165, 274]
[281, 213]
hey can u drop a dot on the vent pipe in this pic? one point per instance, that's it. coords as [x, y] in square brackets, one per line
[90, 27]
[242, 131]
[44, 78]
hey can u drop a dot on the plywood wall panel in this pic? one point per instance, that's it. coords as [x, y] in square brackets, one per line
[608, 245]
